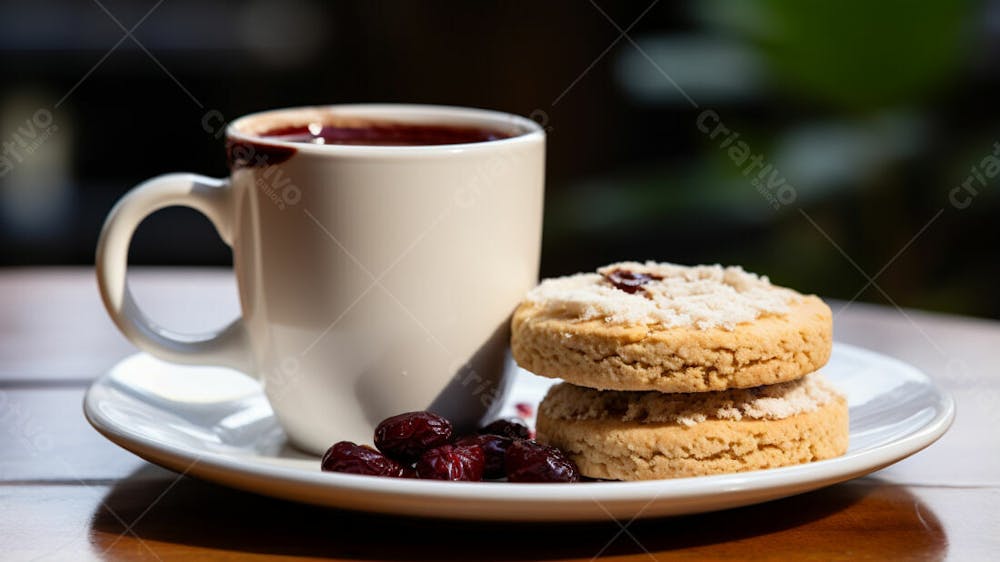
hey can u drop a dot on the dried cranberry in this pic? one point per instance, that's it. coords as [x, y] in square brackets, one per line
[629, 281]
[452, 462]
[512, 428]
[406, 436]
[494, 449]
[528, 461]
[524, 409]
[360, 459]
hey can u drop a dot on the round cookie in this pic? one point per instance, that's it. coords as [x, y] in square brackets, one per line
[693, 329]
[649, 435]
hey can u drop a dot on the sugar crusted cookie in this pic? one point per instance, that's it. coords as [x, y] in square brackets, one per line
[670, 328]
[651, 435]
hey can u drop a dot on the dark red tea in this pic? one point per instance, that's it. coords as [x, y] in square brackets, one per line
[385, 134]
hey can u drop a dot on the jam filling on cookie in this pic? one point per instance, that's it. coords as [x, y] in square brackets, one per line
[629, 281]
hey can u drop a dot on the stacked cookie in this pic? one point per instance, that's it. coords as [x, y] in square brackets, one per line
[680, 371]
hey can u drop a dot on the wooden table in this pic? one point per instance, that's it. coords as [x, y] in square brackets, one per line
[67, 494]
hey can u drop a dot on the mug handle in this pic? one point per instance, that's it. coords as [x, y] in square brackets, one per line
[212, 197]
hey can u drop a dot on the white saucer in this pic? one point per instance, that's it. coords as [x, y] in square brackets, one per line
[215, 424]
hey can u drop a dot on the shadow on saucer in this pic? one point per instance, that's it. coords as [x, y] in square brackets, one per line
[864, 518]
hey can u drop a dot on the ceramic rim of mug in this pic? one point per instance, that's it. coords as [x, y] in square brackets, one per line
[522, 129]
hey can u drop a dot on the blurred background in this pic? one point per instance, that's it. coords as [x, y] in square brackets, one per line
[826, 144]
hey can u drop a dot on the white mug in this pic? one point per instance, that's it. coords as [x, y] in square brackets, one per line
[373, 280]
